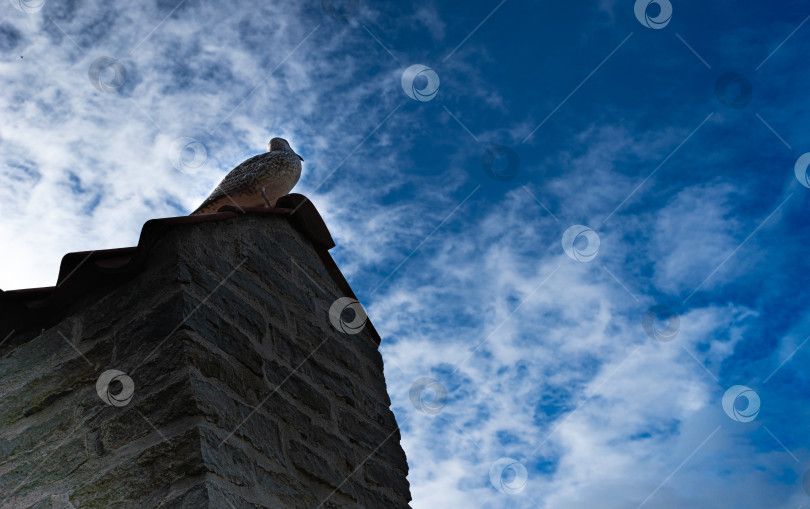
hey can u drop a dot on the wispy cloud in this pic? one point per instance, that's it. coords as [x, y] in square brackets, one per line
[544, 359]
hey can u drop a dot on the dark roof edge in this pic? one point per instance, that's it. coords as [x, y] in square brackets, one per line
[80, 272]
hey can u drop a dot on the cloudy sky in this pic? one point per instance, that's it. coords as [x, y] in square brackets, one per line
[577, 225]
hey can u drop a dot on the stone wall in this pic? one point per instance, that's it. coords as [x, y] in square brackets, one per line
[244, 394]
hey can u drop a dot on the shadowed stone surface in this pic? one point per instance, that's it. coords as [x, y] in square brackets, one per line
[245, 395]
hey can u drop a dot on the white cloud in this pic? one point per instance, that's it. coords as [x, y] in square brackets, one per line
[692, 236]
[562, 376]
[625, 410]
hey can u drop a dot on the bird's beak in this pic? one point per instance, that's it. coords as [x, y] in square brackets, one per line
[299, 157]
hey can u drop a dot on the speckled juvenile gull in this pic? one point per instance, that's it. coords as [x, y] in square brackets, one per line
[261, 180]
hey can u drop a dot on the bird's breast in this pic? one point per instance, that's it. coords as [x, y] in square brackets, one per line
[281, 172]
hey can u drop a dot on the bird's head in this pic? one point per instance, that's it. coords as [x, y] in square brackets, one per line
[280, 144]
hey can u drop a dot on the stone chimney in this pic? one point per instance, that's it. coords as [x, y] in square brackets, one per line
[221, 363]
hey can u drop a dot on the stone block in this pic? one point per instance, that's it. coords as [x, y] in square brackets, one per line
[245, 395]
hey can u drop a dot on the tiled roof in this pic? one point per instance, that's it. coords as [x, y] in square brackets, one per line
[81, 272]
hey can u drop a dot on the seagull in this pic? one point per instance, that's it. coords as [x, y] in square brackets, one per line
[261, 180]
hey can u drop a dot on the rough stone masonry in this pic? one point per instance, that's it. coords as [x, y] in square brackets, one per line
[244, 396]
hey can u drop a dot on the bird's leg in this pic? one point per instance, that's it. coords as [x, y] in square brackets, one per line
[266, 200]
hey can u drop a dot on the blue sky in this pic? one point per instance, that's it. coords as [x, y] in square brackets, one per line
[618, 126]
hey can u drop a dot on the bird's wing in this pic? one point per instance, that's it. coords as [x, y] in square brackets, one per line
[242, 176]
